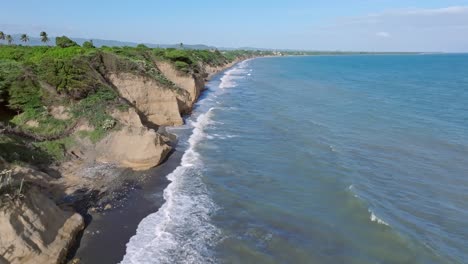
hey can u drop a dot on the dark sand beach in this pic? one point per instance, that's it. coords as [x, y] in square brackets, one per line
[105, 238]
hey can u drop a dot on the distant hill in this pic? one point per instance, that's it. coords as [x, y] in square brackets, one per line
[35, 41]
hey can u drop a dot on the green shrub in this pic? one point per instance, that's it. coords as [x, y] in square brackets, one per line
[24, 93]
[88, 45]
[93, 108]
[73, 77]
[142, 46]
[9, 71]
[56, 149]
[182, 66]
[178, 55]
[64, 42]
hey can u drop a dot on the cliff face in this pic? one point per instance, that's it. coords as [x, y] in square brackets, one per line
[158, 104]
[34, 230]
[192, 84]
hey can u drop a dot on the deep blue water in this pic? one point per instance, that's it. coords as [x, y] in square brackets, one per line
[325, 159]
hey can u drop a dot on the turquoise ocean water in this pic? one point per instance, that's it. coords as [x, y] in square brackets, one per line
[326, 159]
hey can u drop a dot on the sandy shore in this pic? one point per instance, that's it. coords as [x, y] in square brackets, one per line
[105, 238]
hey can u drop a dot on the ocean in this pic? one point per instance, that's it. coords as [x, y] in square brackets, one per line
[320, 159]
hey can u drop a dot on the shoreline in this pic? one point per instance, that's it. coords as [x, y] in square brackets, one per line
[113, 228]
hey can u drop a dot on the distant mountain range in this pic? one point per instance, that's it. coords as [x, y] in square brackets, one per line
[35, 41]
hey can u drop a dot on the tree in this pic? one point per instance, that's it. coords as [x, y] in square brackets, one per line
[64, 42]
[24, 38]
[44, 37]
[88, 44]
[141, 46]
[9, 39]
[181, 45]
[2, 35]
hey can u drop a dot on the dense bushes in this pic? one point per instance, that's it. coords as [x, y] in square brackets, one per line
[75, 71]
[9, 71]
[182, 66]
[24, 93]
[64, 42]
[178, 55]
[73, 77]
[88, 45]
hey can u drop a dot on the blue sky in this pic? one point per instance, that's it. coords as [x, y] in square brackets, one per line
[370, 25]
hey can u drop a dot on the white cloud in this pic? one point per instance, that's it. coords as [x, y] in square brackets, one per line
[436, 11]
[383, 34]
[438, 29]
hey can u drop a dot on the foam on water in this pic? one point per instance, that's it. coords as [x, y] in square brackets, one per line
[376, 219]
[230, 76]
[181, 232]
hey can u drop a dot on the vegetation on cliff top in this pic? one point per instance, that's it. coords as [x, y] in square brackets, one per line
[34, 80]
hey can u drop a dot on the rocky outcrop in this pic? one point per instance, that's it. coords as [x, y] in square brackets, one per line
[134, 146]
[160, 105]
[35, 230]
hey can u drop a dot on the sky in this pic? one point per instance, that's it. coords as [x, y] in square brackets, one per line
[346, 25]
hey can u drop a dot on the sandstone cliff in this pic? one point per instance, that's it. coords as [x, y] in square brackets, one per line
[35, 230]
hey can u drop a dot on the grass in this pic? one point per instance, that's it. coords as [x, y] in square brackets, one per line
[47, 124]
[56, 149]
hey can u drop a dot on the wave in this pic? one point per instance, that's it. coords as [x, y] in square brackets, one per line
[180, 231]
[376, 219]
[238, 72]
[373, 217]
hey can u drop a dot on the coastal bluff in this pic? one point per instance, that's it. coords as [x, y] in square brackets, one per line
[78, 109]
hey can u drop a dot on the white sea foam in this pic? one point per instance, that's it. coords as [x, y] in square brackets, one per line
[229, 78]
[181, 231]
[375, 218]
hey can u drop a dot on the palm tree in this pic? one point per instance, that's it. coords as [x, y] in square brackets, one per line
[9, 39]
[24, 38]
[44, 37]
[2, 35]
